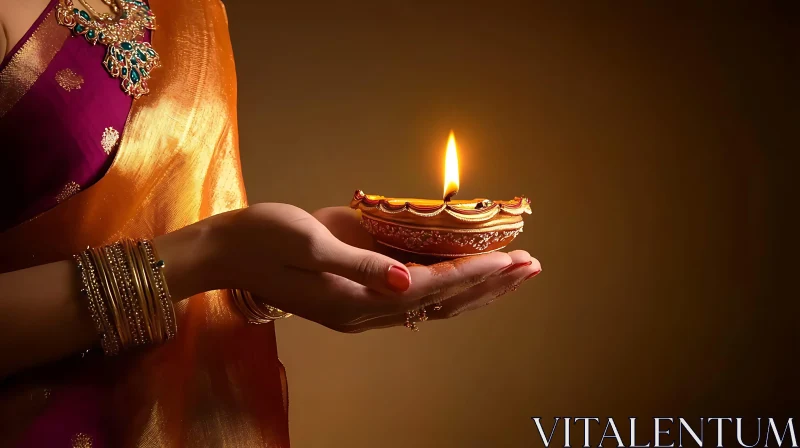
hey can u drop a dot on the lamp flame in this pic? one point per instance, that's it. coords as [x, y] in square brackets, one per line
[451, 169]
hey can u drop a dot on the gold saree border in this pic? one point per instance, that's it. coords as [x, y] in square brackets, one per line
[30, 61]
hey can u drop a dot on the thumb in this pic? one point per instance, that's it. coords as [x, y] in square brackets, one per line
[371, 269]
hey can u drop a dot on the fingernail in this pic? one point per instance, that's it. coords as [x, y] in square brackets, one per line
[535, 273]
[514, 267]
[398, 279]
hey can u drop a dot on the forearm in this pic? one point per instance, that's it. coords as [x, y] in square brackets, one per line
[44, 317]
[41, 316]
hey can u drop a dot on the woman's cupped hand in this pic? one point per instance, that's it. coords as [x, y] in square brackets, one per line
[324, 267]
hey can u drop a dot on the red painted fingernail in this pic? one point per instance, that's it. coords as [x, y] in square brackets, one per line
[535, 273]
[398, 279]
[514, 267]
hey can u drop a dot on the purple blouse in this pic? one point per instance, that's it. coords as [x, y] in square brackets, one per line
[61, 135]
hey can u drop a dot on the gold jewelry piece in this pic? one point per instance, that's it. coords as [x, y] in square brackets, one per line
[127, 294]
[108, 340]
[160, 283]
[411, 323]
[415, 316]
[127, 55]
[93, 12]
[254, 312]
[112, 4]
[123, 272]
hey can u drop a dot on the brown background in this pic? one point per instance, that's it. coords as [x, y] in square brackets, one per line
[655, 143]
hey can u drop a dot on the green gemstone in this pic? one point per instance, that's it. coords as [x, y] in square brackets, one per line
[79, 28]
[126, 46]
[120, 57]
[100, 36]
[110, 64]
[133, 62]
[144, 72]
[90, 34]
[75, 10]
[134, 76]
[124, 71]
[85, 15]
[151, 53]
[141, 55]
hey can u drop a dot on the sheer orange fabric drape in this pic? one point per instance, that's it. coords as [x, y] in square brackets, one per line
[220, 382]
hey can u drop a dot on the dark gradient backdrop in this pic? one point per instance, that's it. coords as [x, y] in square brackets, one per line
[656, 145]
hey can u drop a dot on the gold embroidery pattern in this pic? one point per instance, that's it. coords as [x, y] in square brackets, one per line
[81, 440]
[69, 80]
[30, 62]
[69, 190]
[109, 140]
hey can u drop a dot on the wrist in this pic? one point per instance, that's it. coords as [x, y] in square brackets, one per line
[188, 256]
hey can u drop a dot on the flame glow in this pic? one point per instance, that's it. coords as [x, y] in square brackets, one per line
[451, 168]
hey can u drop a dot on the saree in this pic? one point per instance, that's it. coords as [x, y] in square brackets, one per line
[219, 383]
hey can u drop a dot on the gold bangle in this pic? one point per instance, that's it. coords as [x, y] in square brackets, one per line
[254, 312]
[108, 340]
[86, 290]
[147, 316]
[110, 297]
[113, 279]
[126, 286]
[111, 343]
[120, 287]
[157, 266]
[153, 309]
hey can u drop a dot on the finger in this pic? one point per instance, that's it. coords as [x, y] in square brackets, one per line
[364, 267]
[432, 284]
[479, 294]
[519, 258]
[493, 288]
[345, 224]
[443, 280]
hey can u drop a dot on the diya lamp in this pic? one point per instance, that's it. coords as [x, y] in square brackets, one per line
[445, 227]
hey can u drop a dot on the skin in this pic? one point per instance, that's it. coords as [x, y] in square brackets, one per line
[16, 17]
[322, 266]
[299, 262]
[3, 40]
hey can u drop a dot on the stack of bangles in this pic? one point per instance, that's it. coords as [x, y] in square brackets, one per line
[128, 298]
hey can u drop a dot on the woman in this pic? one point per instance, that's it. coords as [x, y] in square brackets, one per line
[99, 147]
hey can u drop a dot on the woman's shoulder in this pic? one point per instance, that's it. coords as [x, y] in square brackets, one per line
[5, 6]
[3, 37]
[3, 41]
[16, 17]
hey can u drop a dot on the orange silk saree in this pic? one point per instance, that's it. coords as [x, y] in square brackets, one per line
[219, 383]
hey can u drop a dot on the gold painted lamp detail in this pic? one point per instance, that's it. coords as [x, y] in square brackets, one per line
[442, 228]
